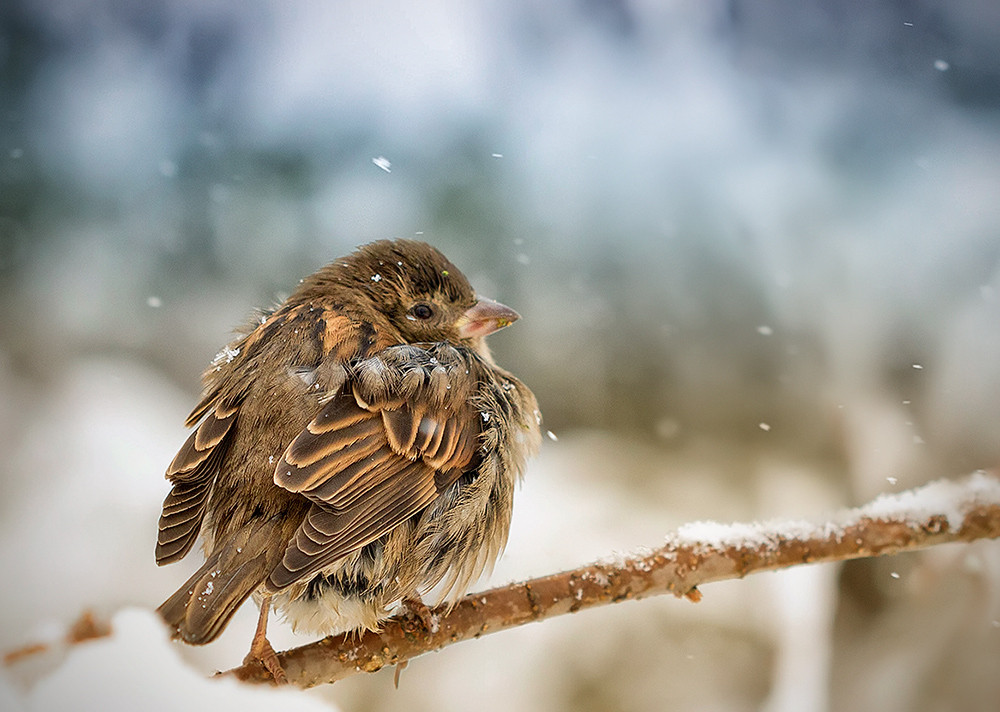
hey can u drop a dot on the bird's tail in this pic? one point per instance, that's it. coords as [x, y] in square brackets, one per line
[199, 610]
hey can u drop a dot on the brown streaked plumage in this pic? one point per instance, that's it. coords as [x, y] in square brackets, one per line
[358, 446]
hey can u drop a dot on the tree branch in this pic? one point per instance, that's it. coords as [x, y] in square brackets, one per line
[699, 553]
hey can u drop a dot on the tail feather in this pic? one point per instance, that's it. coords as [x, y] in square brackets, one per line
[199, 610]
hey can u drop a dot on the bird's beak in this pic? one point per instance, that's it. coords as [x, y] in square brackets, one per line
[484, 318]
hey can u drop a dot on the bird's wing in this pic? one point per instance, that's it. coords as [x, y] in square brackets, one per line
[400, 431]
[192, 473]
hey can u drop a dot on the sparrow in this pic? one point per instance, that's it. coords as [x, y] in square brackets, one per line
[353, 448]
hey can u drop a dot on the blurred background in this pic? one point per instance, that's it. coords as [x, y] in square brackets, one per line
[756, 246]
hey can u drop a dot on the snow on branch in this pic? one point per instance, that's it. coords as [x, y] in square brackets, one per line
[941, 512]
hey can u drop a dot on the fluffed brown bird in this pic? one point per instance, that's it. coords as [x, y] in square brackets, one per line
[358, 447]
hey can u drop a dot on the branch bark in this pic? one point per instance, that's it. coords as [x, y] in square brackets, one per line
[701, 553]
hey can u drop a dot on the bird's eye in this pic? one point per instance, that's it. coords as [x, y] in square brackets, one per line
[422, 311]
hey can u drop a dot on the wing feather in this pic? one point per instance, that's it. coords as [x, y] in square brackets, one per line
[308, 464]
[193, 473]
[401, 428]
[377, 453]
[344, 488]
[326, 536]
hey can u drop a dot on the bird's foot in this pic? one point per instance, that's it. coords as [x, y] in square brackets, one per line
[261, 650]
[418, 608]
[262, 653]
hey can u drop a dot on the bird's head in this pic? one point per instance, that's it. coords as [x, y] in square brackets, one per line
[419, 291]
